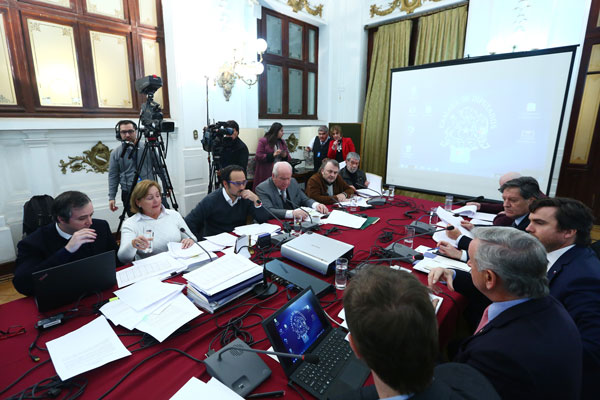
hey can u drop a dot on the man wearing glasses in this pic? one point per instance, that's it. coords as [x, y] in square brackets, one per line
[223, 210]
[123, 162]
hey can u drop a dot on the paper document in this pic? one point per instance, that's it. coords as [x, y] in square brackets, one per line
[122, 314]
[176, 251]
[485, 216]
[143, 294]
[145, 268]
[467, 211]
[344, 219]
[450, 219]
[438, 301]
[86, 348]
[222, 239]
[256, 229]
[476, 221]
[223, 273]
[168, 318]
[428, 264]
[342, 316]
[360, 202]
[195, 389]
[374, 182]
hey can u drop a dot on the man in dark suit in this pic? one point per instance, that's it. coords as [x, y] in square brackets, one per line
[282, 195]
[393, 329]
[526, 343]
[517, 194]
[72, 236]
[563, 226]
[320, 147]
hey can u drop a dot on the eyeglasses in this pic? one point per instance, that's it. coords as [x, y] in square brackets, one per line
[237, 183]
[129, 131]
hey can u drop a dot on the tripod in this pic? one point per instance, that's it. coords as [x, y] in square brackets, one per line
[214, 168]
[155, 147]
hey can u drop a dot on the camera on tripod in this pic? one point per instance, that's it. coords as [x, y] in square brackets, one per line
[216, 137]
[151, 116]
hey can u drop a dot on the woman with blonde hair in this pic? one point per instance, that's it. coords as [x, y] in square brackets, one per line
[152, 227]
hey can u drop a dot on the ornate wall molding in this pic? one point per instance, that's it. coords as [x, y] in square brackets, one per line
[298, 5]
[409, 6]
[93, 160]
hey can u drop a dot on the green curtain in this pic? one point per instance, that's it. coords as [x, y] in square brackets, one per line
[391, 46]
[441, 36]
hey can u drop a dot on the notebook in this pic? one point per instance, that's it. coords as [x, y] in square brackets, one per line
[63, 284]
[301, 327]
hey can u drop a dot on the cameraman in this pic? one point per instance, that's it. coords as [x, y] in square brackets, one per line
[123, 162]
[235, 152]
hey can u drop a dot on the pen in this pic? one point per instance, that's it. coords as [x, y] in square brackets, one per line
[278, 393]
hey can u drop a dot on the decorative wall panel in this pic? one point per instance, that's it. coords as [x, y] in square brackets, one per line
[7, 85]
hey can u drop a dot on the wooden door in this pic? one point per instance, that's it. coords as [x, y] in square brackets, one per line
[580, 170]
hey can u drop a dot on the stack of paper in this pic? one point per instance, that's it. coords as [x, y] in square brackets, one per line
[222, 280]
[466, 211]
[256, 229]
[161, 265]
[374, 188]
[151, 306]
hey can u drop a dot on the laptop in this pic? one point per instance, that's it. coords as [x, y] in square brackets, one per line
[302, 327]
[63, 284]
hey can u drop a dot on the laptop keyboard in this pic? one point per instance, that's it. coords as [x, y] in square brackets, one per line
[333, 353]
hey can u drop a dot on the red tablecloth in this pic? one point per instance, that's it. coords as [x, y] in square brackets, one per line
[163, 375]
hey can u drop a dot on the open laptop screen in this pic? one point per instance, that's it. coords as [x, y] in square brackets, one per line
[297, 326]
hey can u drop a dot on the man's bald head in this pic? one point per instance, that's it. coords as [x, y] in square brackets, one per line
[509, 176]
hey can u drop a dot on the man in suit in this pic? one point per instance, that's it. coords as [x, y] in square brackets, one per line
[526, 343]
[393, 329]
[72, 236]
[327, 186]
[563, 226]
[517, 196]
[320, 147]
[282, 195]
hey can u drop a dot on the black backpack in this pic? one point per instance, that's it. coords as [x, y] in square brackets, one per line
[37, 212]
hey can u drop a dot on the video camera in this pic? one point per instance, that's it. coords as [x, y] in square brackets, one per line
[151, 116]
[216, 137]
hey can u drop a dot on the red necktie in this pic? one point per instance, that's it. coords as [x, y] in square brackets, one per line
[484, 320]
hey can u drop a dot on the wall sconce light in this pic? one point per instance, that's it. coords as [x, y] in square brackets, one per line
[241, 68]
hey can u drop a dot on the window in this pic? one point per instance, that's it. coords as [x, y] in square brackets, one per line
[288, 87]
[75, 58]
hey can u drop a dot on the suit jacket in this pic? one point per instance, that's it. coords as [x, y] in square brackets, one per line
[45, 248]
[451, 381]
[464, 241]
[575, 282]
[270, 197]
[316, 188]
[530, 351]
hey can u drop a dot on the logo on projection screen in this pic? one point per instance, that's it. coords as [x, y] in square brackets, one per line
[466, 125]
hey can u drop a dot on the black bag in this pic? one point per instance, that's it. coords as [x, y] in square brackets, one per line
[37, 212]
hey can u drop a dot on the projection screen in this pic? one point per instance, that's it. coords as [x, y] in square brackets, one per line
[456, 127]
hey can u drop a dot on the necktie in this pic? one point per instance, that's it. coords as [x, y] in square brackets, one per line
[484, 320]
[284, 199]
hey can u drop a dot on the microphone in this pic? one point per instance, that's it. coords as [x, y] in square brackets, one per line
[284, 225]
[307, 226]
[405, 251]
[463, 202]
[364, 264]
[379, 200]
[182, 230]
[310, 358]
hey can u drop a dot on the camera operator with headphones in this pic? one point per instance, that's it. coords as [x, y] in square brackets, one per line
[235, 151]
[123, 162]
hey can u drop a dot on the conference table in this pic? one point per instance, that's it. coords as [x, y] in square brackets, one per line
[161, 367]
